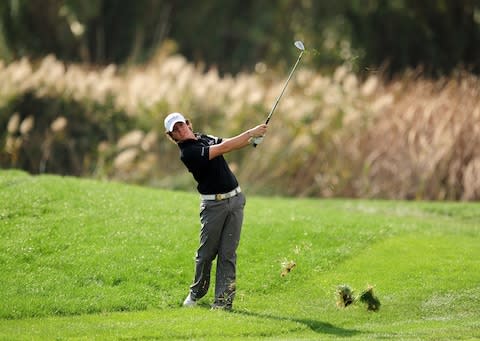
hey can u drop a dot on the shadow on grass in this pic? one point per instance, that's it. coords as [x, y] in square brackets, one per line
[314, 325]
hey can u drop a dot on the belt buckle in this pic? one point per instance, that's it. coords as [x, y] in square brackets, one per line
[218, 197]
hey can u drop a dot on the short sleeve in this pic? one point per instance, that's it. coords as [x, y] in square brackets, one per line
[195, 156]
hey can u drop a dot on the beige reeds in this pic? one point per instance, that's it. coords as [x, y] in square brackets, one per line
[410, 137]
[419, 147]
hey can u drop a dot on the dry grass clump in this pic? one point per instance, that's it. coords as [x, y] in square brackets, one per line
[287, 266]
[332, 135]
[424, 145]
[345, 297]
[372, 301]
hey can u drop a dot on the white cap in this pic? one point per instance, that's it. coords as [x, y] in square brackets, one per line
[173, 118]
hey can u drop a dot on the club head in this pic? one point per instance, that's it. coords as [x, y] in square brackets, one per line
[299, 45]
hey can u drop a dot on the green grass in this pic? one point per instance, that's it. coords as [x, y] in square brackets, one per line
[81, 259]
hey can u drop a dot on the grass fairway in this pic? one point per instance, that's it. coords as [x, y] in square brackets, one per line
[81, 259]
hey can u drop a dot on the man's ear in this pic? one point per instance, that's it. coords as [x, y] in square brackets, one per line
[170, 137]
[189, 124]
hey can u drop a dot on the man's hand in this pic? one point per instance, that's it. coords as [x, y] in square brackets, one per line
[257, 134]
[258, 131]
[255, 140]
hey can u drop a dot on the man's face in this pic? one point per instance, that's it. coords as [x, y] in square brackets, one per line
[181, 132]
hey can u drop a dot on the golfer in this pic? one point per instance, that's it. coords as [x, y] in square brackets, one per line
[221, 207]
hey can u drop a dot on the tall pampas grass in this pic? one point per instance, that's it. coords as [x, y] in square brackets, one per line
[332, 135]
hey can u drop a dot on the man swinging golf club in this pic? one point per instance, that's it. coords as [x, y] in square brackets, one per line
[221, 208]
[222, 202]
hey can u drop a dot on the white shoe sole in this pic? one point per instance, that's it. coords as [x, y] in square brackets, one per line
[189, 302]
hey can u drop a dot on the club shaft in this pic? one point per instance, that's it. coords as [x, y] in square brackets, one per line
[283, 90]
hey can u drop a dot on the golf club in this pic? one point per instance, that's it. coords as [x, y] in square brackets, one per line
[299, 45]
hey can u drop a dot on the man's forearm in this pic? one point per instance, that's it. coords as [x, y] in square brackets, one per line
[237, 142]
[229, 144]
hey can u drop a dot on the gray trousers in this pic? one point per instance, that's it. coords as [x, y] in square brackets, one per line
[221, 224]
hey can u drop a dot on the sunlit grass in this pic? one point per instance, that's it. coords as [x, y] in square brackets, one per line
[88, 259]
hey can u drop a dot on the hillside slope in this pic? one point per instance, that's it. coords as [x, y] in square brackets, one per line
[93, 259]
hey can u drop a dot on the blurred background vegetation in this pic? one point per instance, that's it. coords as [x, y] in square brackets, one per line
[236, 35]
[384, 105]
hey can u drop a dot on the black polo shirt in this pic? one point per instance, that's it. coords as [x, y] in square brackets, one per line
[213, 176]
